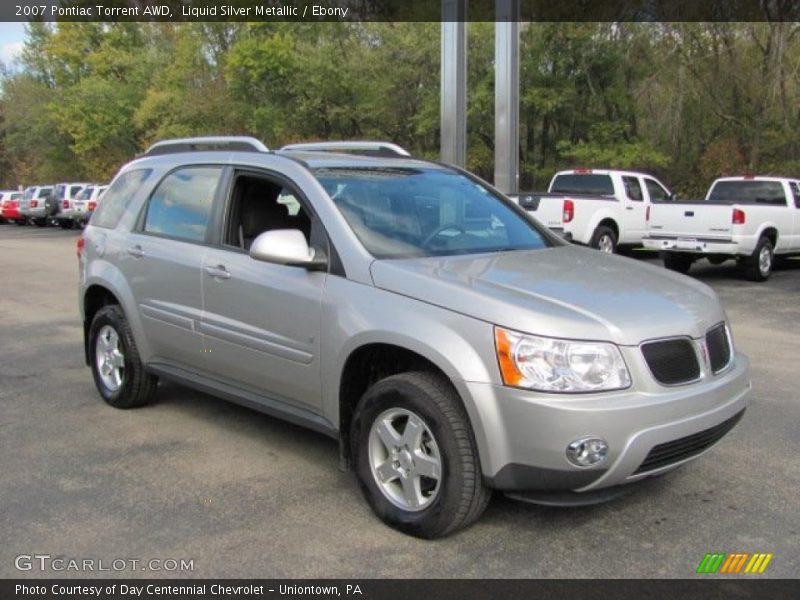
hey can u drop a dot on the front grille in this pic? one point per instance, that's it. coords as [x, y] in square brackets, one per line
[672, 361]
[719, 348]
[677, 450]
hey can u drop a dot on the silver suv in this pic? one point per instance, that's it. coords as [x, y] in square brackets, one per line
[407, 309]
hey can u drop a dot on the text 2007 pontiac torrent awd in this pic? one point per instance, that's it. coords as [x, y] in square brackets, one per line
[450, 342]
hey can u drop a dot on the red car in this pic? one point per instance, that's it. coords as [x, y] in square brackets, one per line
[9, 207]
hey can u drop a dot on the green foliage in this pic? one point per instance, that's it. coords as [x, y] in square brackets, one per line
[687, 101]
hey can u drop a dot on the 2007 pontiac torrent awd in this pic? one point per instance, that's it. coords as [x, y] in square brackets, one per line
[448, 340]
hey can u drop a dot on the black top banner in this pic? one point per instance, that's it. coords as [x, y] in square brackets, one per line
[401, 10]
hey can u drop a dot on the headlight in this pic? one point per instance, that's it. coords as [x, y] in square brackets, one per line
[553, 365]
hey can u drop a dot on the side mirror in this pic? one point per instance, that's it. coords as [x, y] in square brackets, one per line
[673, 197]
[288, 247]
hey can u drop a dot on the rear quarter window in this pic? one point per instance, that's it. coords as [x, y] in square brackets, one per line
[633, 189]
[580, 183]
[795, 186]
[118, 197]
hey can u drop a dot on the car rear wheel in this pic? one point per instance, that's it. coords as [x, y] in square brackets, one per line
[66, 223]
[759, 266]
[118, 372]
[604, 240]
[677, 262]
[415, 456]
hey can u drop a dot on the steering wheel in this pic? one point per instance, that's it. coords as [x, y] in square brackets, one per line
[441, 229]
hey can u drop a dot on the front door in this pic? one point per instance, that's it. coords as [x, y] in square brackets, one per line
[262, 321]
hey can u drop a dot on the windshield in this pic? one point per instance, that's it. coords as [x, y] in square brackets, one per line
[400, 212]
[764, 192]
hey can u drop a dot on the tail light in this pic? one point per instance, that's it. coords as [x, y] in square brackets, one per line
[569, 210]
[738, 216]
[92, 205]
[34, 203]
[81, 244]
[65, 204]
[647, 214]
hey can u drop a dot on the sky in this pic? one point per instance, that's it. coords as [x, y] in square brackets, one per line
[11, 39]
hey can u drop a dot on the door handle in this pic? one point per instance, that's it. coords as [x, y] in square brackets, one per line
[136, 251]
[218, 272]
[628, 208]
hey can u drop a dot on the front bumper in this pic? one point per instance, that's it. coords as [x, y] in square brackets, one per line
[524, 434]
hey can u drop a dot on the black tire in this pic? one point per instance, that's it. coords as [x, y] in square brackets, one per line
[680, 263]
[753, 267]
[717, 260]
[40, 222]
[462, 496]
[137, 386]
[20, 222]
[603, 236]
[66, 224]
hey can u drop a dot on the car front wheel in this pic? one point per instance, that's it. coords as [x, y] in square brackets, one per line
[415, 456]
[118, 372]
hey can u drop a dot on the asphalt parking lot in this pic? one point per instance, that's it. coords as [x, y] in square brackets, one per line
[246, 495]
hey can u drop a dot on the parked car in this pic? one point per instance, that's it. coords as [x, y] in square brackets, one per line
[65, 194]
[38, 204]
[748, 219]
[9, 206]
[601, 208]
[449, 341]
[85, 203]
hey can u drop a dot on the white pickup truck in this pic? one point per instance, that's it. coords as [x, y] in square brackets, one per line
[749, 219]
[601, 208]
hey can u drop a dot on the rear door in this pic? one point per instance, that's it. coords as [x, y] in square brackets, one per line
[262, 321]
[163, 263]
[794, 208]
[634, 216]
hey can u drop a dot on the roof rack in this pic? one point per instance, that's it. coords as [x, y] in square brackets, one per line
[209, 143]
[360, 147]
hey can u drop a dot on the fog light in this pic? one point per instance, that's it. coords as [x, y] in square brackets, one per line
[587, 452]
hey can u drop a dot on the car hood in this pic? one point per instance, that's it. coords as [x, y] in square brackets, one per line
[566, 291]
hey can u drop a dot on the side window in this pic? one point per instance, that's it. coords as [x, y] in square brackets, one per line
[795, 187]
[633, 189]
[74, 190]
[657, 193]
[180, 206]
[118, 197]
[259, 204]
